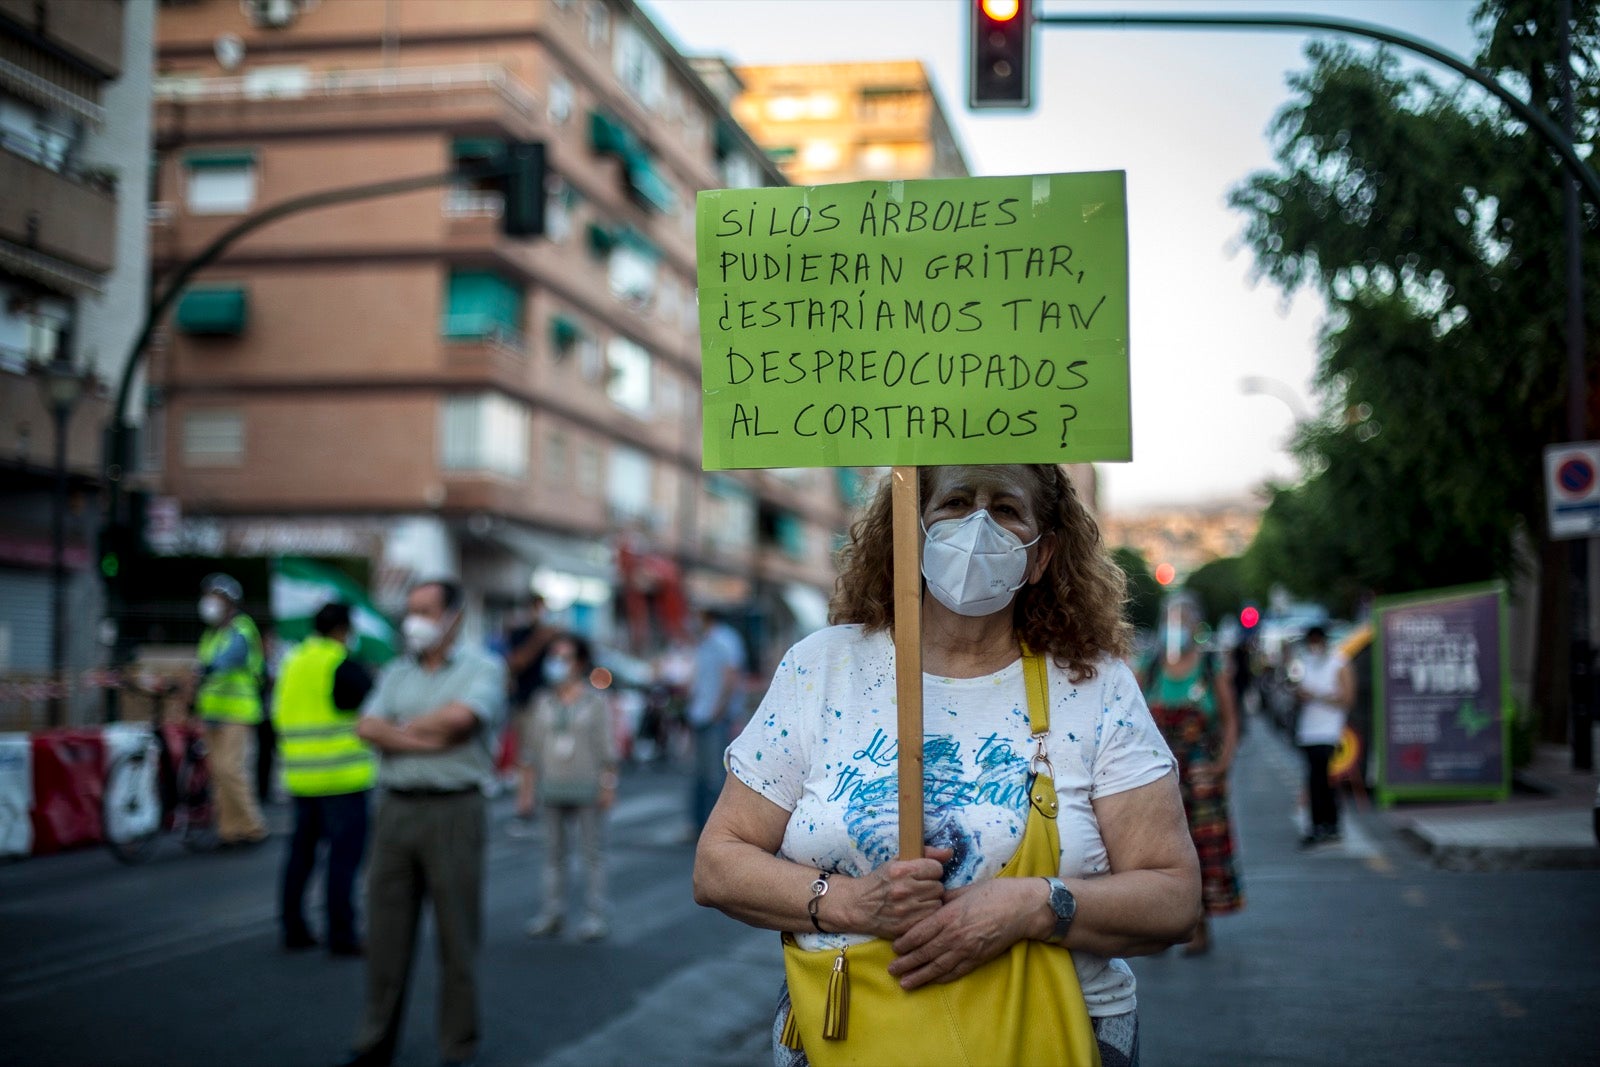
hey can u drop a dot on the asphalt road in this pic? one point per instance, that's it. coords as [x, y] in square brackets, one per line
[1355, 954]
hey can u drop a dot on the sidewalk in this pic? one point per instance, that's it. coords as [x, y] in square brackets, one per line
[1548, 822]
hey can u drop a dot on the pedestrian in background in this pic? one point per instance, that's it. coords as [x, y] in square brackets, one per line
[1197, 715]
[329, 773]
[570, 773]
[1326, 689]
[227, 697]
[433, 718]
[719, 666]
[526, 642]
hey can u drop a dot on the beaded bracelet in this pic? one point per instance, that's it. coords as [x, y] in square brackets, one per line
[819, 889]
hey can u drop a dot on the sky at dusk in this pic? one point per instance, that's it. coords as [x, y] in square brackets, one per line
[1185, 113]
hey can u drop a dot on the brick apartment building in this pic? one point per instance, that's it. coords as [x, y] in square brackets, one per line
[74, 155]
[397, 381]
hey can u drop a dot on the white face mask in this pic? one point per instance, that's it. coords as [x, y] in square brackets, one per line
[974, 566]
[557, 669]
[422, 634]
[212, 609]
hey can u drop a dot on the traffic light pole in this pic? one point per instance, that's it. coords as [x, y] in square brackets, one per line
[116, 456]
[1582, 681]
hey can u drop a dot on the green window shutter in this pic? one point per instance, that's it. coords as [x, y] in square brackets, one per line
[607, 135]
[602, 239]
[478, 148]
[564, 333]
[648, 185]
[214, 311]
[479, 303]
[220, 160]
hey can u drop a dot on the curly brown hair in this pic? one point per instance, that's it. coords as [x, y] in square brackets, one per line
[1075, 612]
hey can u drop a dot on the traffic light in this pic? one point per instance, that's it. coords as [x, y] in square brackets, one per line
[1166, 573]
[524, 190]
[1000, 51]
[1249, 616]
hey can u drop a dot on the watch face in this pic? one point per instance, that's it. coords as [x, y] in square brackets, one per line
[1062, 902]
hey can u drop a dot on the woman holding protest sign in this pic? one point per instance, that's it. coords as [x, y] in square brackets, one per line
[1025, 697]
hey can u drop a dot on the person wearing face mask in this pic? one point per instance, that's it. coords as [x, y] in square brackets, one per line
[227, 697]
[328, 772]
[712, 704]
[1198, 718]
[804, 836]
[432, 717]
[1327, 689]
[570, 768]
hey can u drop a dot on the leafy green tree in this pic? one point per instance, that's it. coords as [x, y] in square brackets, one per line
[1222, 587]
[1431, 223]
[1144, 592]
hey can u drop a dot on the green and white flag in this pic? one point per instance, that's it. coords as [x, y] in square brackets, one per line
[301, 586]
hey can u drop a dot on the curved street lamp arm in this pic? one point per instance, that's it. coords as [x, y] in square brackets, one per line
[1536, 119]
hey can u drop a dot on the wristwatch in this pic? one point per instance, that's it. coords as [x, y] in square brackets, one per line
[1065, 905]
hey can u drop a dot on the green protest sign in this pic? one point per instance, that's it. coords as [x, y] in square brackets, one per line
[962, 320]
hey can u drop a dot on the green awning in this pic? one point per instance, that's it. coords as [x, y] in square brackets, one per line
[637, 242]
[649, 186]
[478, 148]
[479, 303]
[220, 160]
[781, 153]
[564, 333]
[214, 311]
[724, 138]
[602, 239]
[607, 135]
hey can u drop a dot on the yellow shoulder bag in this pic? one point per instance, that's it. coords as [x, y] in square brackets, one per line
[1024, 1007]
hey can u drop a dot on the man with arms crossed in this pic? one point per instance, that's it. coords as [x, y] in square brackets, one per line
[433, 718]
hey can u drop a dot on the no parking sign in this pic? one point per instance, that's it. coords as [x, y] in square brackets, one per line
[1572, 489]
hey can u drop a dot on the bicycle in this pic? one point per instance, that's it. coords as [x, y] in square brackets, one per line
[148, 790]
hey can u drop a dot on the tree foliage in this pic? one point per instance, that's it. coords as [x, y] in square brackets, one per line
[1431, 223]
[1144, 592]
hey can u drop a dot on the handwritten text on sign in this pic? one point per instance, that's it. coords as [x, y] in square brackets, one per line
[963, 320]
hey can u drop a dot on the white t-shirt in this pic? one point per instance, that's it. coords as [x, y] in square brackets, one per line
[821, 746]
[1321, 720]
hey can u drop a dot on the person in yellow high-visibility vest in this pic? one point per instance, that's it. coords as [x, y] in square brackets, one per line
[329, 772]
[228, 671]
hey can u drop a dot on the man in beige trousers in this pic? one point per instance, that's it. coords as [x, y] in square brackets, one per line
[433, 719]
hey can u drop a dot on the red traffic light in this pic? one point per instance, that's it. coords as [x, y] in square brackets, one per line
[1249, 617]
[1165, 573]
[1000, 54]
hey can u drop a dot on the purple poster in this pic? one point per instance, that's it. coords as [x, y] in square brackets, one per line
[1439, 694]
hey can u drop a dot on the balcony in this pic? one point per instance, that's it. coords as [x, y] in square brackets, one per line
[241, 107]
[56, 212]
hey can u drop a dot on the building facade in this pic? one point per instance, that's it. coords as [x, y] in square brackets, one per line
[74, 158]
[396, 380]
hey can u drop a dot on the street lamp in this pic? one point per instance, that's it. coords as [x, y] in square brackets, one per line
[1256, 385]
[61, 385]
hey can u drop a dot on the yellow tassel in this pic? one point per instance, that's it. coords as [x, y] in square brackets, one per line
[790, 1038]
[837, 1017]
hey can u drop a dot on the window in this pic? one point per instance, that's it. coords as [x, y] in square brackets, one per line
[484, 432]
[479, 196]
[35, 134]
[632, 268]
[638, 67]
[481, 304]
[559, 107]
[221, 184]
[669, 392]
[31, 326]
[596, 23]
[821, 154]
[628, 483]
[739, 171]
[591, 365]
[561, 204]
[264, 83]
[629, 383]
[587, 476]
[555, 459]
[213, 439]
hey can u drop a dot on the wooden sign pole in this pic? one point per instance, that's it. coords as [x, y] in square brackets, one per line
[906, 511]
